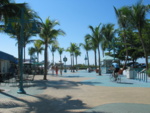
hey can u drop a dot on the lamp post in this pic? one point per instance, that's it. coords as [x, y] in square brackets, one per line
[20, 42]
[65, 60]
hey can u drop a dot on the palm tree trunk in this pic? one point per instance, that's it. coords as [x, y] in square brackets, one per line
[99, 60]
[88, 58]
[95, 59]
[18, 70]
[37, 56]
[73, 62]
[144, 48]
[45, 62]
[126, 58]
[24, 53]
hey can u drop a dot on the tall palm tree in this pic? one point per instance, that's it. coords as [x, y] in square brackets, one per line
[8, 10]
[123, 21]
[93, 43]
[138, 14]
[48, 35]
[97, 37]
[108, 33]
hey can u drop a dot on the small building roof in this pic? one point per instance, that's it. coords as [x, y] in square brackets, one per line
[6, 56]
[108, 58]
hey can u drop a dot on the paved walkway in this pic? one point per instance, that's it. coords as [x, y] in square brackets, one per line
[79, 92]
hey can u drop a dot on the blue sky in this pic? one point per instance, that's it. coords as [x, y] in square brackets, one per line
[74, 17]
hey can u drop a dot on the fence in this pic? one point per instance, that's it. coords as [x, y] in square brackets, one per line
[140, 75]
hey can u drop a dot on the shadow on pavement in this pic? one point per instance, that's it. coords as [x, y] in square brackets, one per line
[124, 83]
[43, 103]
[58, 84]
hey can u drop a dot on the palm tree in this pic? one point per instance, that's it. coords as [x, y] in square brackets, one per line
[87, 47]
[60, 51]
[108, 33]
[31, 52]
[9, 10]
[38, 48]
[97, 38]
[123, 21]
[15, 25]
[27, 37]
[48, 35]
[53, 49]
[73, 47]
[93, 43]
[138, 14]
[77, 53]
[71, 53]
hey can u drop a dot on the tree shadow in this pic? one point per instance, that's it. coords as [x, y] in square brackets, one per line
[72, 76]
[124, 83]
[90, 83]
[44, 103]
[57, 84]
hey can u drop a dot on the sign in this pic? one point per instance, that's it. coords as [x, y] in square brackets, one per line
[65, 59]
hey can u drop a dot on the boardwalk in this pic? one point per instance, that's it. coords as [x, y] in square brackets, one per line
[79, 92]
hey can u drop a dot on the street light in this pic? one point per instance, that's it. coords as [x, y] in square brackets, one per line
[21, 42]
[65, 60]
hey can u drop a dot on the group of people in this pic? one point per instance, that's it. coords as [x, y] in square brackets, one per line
[55, 68]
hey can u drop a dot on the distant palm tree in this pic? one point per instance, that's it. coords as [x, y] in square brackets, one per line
[73, 47]
[48, 35]
[38, 49]
[97, 38]
[27, 40]
[53, 49]
[87, 47]
[31, 52]
[60, 51]
[71, 54]
[77, 53]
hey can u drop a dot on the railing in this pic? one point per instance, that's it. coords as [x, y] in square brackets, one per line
[141, 75]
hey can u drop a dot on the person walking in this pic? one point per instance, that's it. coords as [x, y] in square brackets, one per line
[56, 70]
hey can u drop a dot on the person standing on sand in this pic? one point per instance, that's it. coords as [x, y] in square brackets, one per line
[56, 70]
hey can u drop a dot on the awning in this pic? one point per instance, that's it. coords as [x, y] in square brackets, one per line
[5, 56]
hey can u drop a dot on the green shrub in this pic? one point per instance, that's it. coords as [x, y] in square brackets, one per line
[148, 72]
